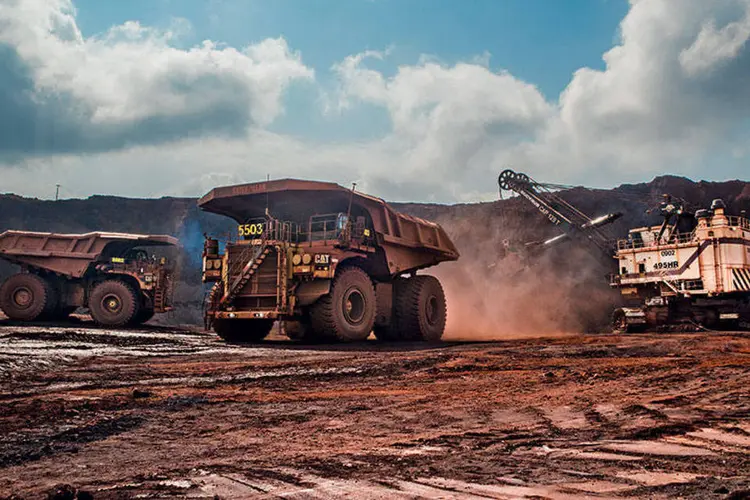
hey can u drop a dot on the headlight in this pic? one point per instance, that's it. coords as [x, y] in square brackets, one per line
[217, 264]
[297, 259]
[306, 259]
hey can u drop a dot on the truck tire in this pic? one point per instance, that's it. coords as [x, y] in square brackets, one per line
[243, 330]
[420, 309]
[386, 333]
[347, 313]
[25, 297]
[143, 316]
[300, 331]
[113, 303]
[62, 313]
[53, 310]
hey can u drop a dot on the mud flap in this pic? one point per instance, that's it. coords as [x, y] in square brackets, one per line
[307, 293]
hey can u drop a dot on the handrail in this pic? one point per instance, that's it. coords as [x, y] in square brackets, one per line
[675, 239]
[736, 221]
[332, 228]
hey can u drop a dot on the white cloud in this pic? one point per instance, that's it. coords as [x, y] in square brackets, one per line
[670, 92]
[672, 89]
[132, 75]
[447, 120]
[715, 46]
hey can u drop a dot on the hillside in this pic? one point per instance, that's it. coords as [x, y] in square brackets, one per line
[565, 290]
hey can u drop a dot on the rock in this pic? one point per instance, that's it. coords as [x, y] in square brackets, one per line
[139, 394]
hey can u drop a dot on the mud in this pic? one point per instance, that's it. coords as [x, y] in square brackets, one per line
[176, 413]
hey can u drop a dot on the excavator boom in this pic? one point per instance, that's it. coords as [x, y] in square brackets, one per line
[573, 222]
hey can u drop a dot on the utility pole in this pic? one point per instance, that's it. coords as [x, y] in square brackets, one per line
[268, 179]
[57, 192]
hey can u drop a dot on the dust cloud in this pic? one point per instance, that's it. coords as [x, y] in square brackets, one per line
[491, 293]
[495, 294]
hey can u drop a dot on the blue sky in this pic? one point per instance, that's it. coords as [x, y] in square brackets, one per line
[416, 100]
[538, 41]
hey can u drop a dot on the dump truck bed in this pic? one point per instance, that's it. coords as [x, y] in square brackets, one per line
[405, 238]
[71, 254]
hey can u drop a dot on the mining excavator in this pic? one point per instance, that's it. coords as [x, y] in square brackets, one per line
[696, 273]
[693, 268]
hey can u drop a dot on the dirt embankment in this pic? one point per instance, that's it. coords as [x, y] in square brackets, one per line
[488, 297]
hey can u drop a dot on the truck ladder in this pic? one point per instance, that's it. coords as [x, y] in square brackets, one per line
[159, 299]
[252, 265]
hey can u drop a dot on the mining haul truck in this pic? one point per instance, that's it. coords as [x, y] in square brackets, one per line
[111, 274]
[690, 269]
[328, 262]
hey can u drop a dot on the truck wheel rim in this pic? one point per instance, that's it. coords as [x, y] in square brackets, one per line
[431, 310]
[22, 297]
[112, 303]
[354, 306]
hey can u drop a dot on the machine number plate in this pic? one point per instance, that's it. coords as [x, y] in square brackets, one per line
[672, 264]
[250, 229]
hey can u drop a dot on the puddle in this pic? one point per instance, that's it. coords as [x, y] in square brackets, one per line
[597, 487]
[722, 437]
[658, 478]
[659, 448]
[421, 450]
[566, 418]
[597, 455]
[461, 489]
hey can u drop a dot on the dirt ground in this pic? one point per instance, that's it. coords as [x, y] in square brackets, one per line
[170, 413]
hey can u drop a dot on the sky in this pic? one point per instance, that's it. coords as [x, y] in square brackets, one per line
[414, 100]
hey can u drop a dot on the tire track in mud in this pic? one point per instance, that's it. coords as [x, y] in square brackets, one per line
[561, 418]
[19, 448]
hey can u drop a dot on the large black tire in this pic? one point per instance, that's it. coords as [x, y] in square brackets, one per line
[347, 313]
[243, 330]
[53, 307]
[389, 332]
[114, 303]
[300, 331]
[386, 333]
[62, 313]
[420, 309]
[26, 297]
[143, 316]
